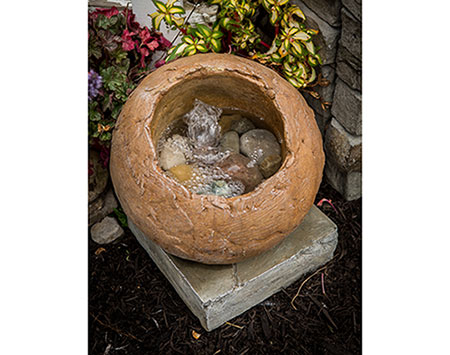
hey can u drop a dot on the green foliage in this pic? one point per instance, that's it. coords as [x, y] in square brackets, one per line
[292, 52]
[121, 217]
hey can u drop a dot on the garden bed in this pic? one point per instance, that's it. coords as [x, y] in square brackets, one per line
[134, 310]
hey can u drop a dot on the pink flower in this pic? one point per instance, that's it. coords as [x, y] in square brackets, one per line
[153, 45]
[145, 35]
[144, 53]
[127, 44]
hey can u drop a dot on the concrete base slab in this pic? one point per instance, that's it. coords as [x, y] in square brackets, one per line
[218, 293]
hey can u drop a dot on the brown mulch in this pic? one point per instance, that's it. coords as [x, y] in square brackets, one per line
[133, 309]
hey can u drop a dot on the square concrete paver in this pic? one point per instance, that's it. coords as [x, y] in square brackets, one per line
[218, 293]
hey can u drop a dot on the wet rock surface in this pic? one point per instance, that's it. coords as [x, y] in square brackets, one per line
[106, 231]
[270, 165]
[174, 152]
[230, 142]
[226, 120]
[240, 168]
[242, 126]
[258, 144]
[182, 172]
[202, 150]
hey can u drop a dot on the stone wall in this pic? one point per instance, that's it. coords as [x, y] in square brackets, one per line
[339, 22]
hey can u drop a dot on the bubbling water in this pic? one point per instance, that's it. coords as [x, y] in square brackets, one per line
[198, 135]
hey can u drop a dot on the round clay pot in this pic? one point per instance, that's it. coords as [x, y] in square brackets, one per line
[205, 228]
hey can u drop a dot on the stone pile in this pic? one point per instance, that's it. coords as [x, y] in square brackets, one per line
[102, 203]
[242, 158]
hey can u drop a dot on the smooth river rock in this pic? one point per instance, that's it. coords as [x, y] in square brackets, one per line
[174, 152]
[239, 167]
[258, 144]
[242, 126]
[270, 165]
[230, 142]
[226, 120]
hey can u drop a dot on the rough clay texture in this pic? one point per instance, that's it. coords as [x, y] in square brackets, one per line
[206, 228]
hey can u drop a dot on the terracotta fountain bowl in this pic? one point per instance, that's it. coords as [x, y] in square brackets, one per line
[205, 228]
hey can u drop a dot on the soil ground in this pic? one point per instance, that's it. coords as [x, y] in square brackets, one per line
[133, 309]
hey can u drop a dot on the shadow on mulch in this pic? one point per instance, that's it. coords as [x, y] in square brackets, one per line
[133, 309]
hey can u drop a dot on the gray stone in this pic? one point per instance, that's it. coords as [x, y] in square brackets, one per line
[326, 93]
[229, 142]
[242, 126]
[354, 6]
[258, 144]
[204, 13]
[99, 178]
[106, 231]
[343, 148]
[347, 183]
[218, 293]
[351, 33]
[101, 207]
[328, 10]
[348, 69]
[347, 107]
[327, 38]
[343, 55]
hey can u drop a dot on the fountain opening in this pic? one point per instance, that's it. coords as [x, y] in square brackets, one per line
[215, 151]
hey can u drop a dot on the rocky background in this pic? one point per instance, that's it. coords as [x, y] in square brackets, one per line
[339, 22]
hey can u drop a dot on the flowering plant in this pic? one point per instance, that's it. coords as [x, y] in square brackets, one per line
[119, 52]
[291, 52]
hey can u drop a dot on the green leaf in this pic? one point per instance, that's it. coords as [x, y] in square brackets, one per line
[216, 45]
[204, 30]
[310, 47]
[121, 217]
[156, 20]
[303, 36]
[202, 48]
[274, 16]
[294, 82]
[161, 7]
[313, 76]
[105, 136]
[312, 61]
[178, 21]
[188, 40]
[116, 111]
[176, 10]
[190, 50]
[226, 22]
[297, 48]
